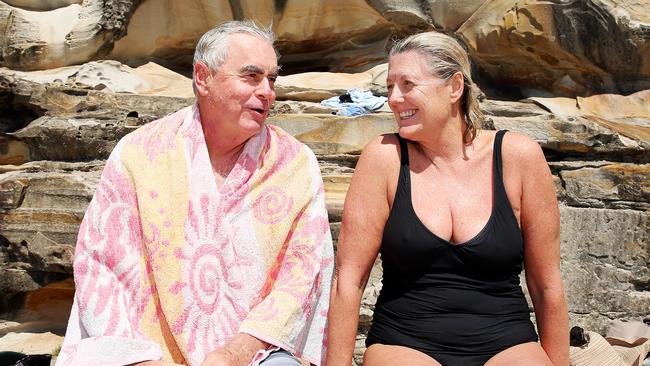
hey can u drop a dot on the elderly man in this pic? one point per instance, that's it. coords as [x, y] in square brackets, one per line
[207, 240]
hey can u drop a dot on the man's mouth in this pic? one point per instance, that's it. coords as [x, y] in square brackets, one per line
[259, 110]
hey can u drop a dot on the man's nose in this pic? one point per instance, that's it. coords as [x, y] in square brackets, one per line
[265, 89]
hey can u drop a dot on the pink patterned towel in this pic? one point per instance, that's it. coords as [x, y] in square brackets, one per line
[170, 266]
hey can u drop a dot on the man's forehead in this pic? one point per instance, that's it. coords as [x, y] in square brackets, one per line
[246, 49]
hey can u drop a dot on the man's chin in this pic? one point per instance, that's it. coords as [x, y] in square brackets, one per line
[252, 125]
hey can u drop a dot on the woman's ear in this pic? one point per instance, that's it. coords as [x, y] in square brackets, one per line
[457, 84]
[201, 75]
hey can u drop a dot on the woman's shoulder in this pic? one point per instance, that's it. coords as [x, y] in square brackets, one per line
[386, 144]
[380, 155]
[521, 150]
[382, 148]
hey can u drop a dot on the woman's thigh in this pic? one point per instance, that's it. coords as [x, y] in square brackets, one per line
[280, 358]
[530, 354]
[382, 354]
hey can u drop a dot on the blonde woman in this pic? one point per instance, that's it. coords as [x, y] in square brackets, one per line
[455, 213]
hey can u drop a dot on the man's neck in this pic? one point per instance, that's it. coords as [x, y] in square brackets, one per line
[223, 150]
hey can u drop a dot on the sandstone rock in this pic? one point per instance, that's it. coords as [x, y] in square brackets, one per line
[41, 207]
[336, 187]
[574, 48]
[573, 136]
[41, 5]
[613, 106]
[605, 263]
[318, 86]
[27, 101]
[626, 116]
[6, 324]
[326, 134]
[445, 14]
[570, 48]
[42, 310]
[17, 107]
[31, 343]
[299, 107]
[13, 151]
[309, 33]
[612, 185]
[108, 75]
[74, 139]
[81, 124]
[71, 33]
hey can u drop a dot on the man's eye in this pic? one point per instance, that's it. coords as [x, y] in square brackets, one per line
[272, 79]
[389, 86]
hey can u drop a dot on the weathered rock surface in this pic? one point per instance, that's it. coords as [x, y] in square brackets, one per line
[572, 48]
[148, 79]
[41, 207]
[606, 264]
[63, 33]
[572, 136]
[31, 343]
[535, 47]
[317, 86]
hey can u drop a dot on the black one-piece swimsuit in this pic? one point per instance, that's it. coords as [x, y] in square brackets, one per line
[458, 303]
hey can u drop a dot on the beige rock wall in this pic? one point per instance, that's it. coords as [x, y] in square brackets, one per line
[572, 48]
[525, 47]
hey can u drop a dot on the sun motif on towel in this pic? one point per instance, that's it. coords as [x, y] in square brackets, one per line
[214, 304]
[107, 257]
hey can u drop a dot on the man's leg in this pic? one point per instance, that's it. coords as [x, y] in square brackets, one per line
[280, 358]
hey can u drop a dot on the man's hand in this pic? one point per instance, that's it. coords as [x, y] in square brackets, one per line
[222, 357]
[238, 352]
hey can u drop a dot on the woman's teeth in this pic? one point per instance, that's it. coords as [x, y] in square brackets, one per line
[406, 114]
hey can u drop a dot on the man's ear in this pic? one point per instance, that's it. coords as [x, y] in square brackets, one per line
[201, 75]
[457, 84]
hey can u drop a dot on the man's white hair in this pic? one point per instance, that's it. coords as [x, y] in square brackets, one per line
[212, 48]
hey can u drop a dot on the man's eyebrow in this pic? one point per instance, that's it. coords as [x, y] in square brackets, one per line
[251, 68]
[258, 70]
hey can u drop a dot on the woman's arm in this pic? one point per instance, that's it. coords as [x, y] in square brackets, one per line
[540, 223]
[365, 212]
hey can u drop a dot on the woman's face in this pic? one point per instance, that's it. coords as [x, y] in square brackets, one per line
[419, 100]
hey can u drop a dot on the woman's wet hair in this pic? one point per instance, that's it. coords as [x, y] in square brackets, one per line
[445, 57]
